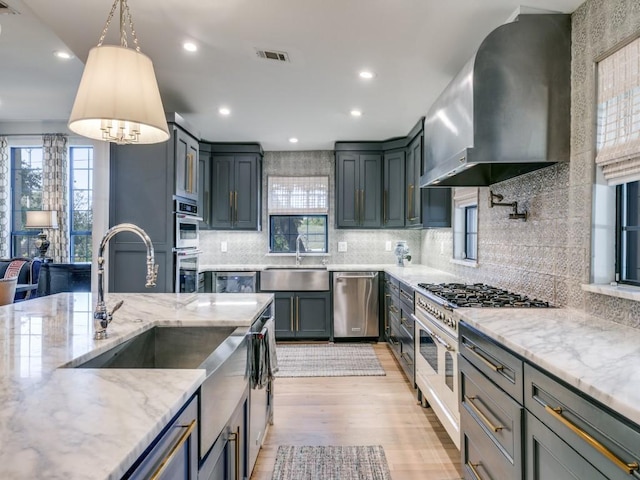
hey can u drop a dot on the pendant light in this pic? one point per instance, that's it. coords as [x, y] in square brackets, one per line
[118, 99]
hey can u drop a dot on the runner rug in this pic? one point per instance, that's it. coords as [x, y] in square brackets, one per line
[327, 360]
[331, 463]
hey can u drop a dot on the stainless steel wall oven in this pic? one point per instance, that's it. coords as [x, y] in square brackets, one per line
[186, 246]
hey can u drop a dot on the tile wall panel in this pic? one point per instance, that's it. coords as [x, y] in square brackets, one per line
[549, 255]
[363, 246]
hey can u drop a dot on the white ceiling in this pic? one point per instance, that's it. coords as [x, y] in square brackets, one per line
[414, 46]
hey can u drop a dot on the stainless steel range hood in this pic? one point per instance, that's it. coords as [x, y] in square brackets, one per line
[507, 111]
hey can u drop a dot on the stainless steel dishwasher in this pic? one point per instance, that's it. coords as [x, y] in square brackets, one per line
[355, 305]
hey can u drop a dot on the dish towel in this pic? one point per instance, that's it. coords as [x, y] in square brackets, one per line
[264, 363]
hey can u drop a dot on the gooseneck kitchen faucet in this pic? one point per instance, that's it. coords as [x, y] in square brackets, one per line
[101, 316]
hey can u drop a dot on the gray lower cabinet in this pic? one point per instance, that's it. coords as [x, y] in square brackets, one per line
[174, 454]
[302, 315]
[517, 421]
[358, 189]
[399, 326]
[235, 180]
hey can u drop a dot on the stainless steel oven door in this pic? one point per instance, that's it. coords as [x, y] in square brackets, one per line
[186, 269]
[436, 359]
[187, 231]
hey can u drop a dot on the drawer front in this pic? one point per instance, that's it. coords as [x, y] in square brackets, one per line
[615, 442]
[391, 280]
[481, 458]
[499, 416]
[501, 367]
[395, 335]
[393, 305]
[548, 457]
[408, 324]
[406, 296]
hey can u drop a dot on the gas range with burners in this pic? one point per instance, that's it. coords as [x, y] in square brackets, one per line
[436, 340]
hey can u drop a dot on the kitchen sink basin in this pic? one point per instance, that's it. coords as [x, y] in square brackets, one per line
[164, 347]
[294, 279]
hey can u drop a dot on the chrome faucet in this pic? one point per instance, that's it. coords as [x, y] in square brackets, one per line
[298, 256]
[101, 317]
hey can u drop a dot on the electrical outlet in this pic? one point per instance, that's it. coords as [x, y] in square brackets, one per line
[387, 246]
[223, 246]
[342, 246]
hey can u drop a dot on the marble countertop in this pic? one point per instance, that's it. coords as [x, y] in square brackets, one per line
[66, 423]
[598, 357]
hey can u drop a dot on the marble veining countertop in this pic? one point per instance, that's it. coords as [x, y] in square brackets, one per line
[66, 423]
[599, 357]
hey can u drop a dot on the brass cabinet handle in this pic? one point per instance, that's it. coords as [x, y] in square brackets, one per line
[190, 170]
[356, 212]
[384, 206]
[297, 314]
[557, 414]
[235, 201]
[412, 204]
[483, 417]
[174, 450]
[231, 207]
[235, 437]
[291, 315]
[361, 207]
[473, 467]
[495, 368]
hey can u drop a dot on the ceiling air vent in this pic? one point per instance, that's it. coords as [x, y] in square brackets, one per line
[273, 55]
[6, 10]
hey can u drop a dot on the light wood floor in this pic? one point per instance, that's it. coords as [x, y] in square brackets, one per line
[361, 411]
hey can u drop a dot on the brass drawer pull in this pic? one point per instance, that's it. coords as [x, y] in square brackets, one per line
[174, 450]
[473, 467]
[291, 314]
[495, 368]
[483, 417]
[235, 437]
[626, 467]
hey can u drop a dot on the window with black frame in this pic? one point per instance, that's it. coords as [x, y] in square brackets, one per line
[628, 233]
[471, 232]
[81, 203]
[298, 213]
[26, 194]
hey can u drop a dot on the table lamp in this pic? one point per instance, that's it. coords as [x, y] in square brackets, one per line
[42, 219]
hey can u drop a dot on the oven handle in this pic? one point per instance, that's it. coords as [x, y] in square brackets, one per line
[189, 217]
[435, 336]
[182, 252]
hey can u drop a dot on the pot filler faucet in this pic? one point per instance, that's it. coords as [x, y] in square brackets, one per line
[101, 317]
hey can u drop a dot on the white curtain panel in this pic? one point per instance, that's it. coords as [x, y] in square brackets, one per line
[5, 199]
[55, 185]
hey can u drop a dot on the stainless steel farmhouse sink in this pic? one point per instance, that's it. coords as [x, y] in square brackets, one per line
[164, 347]
[221, 351]
[294, 279]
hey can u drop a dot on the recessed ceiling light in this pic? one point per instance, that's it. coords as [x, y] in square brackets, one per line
[293, 140]
[224, 111]
[366, 74]
[356, 113]
[190, 47]
[62, 55]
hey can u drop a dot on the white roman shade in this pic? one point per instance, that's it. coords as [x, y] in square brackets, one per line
[298, 195]
[618, 141]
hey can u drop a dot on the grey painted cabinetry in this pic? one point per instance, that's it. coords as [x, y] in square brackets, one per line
[302, 315]
[413, 171]
[398, 324]
[235, 185]
[143, 181]
[519, 422]
[204, 189]
[174, 454]
[393, 177]
[436, 207]
[358, 189]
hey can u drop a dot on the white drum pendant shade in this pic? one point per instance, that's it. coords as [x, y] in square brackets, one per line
[119, 87]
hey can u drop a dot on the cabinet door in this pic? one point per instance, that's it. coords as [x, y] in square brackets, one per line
[412, 184]
[204, 189]
[347, 189]
[393, 190]
[222, 167]
[237, 446]
[370, 203]
[186, 158]
[548, 457]
[246, 192]
[284, 315]
[436, 207]
[312, 315]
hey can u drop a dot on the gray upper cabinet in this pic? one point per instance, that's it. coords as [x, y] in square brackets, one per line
[235, 186]
[436, 207]
[358, 189]
[186, 155]
[412, 182]
[143, 181]
[393, 177]
[204, 189]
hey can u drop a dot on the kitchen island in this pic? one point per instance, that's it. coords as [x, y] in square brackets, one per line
[67, 423]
